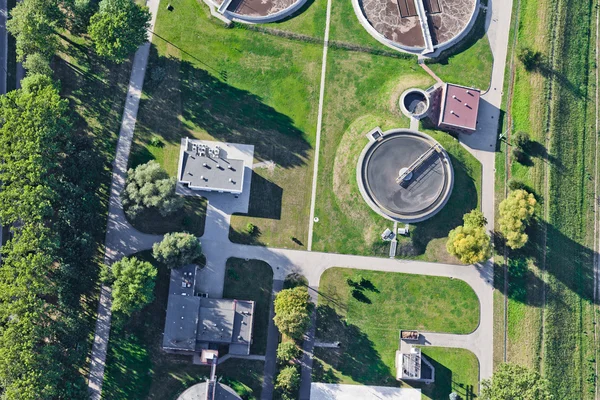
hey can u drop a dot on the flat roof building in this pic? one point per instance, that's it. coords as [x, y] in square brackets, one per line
[208, 168]
[459, 108]
[410, 363]
[194, 323]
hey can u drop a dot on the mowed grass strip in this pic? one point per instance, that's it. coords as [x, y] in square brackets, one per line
[240, 86]
[365, 311]
[251, 280]
[569, 361]
[456, 370]
[138, 368]
[362, 92]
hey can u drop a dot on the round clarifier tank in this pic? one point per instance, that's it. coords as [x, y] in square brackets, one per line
[405, 175]
[414, 103]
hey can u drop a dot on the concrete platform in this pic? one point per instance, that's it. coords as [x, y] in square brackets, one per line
[328, 391]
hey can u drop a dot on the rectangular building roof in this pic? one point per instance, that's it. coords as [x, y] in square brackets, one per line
[203, 167]
[181, 322]
[460, 106]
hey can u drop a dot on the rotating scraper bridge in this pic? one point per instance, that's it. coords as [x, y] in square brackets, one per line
[404, 175]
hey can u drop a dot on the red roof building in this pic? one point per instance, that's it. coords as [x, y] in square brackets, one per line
[459, 108]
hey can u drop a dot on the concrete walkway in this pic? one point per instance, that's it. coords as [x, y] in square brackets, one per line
[121, 238]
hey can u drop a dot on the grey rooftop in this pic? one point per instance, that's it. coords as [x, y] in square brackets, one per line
[206, 167]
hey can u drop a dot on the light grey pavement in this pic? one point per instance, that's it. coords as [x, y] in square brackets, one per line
[121, 238]
[308, 345]
[3, 46]
[272, 343]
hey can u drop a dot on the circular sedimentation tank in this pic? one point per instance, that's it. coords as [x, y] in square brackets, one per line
[405, 175]
[414, 103]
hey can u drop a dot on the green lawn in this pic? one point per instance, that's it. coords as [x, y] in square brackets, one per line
[362, 92]
[137, 368]
[240, 86]
[556, 342]
[456, 370]
[251, 280]
[190, 218]
[367, 320]
[308, 21]
[470, 62]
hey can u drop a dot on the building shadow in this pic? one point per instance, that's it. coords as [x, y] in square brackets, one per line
[356, 356]
[182, 99]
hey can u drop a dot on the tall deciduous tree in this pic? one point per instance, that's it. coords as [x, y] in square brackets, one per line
[288, 381]
[119, 28]
[133, 285]
[177, 249]
[149, 186]
[292, 312]
[511, 381]
[515, 212]
[469, 242]
[34, 24]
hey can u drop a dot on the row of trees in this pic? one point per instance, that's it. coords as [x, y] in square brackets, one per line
[470, 242]
[116, 27]
[48, 196]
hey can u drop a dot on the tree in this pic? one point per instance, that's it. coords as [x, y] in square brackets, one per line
[177, 249]
[513, 381]
[515, 212]
[292, 311]
[287, 351]
[470, 243]
[34, 24]
[37, 63]
[531, 59]
[521, 139]
[475, 219]
[119, 28]
[288, 381]
[149, 186]
[132, 285]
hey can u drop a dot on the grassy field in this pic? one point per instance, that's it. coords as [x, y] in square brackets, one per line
[564, 349]
[251, 280]
[475, 52]
[137, 368]
[456, 370]
[365, 310]
[240, 86]
[190, 218]
[308, 21]
[362, 92]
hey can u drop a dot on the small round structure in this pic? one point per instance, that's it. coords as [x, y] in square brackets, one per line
[417, 26]
[198, 391]
[414, 103]
[405, 176]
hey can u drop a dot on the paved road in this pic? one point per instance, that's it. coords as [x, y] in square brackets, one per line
[119, 235]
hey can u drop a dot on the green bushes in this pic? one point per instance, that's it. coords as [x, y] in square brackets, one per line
[515, 212]
[469, 242]
[177, 249]
[292, 311]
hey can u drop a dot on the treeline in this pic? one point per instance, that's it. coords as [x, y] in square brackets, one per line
[48, 196]
[50, 175]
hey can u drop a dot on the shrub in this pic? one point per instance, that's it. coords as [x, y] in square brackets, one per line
[514, 184]
[177, 249]
[292, 311]
[515, 212]
[531, 59]
[250, 229]
[149, 186]
[511, 381]
[288, 381]
[519, 155]
[287, 351]
[521, 139]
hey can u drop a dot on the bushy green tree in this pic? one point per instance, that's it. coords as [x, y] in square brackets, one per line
[288, 381]
[511, 381]
[292, 311]
[119, 28]
[515, 212]
[470, 243]
[34, 24]
[132, 285]
[149, 186]
[521, 139]
[177, 249]
[287, 351]
[37, 63]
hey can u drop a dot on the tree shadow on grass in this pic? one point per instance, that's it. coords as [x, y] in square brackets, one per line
[183, 98]
[462, 200]
[356, 356]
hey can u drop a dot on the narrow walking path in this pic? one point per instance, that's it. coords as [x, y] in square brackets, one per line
[121, 238]
[272, 343]
[313, 195]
